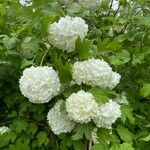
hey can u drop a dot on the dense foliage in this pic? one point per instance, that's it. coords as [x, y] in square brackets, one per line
[118, 35]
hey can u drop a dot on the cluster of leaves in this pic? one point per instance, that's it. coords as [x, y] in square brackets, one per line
[121, 37]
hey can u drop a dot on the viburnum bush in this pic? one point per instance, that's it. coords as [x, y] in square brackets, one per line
[74, 74]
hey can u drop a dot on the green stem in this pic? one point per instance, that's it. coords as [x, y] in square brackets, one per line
[43, 57]
[62, 12]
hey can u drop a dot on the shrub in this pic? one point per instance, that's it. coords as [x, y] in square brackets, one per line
[74, 74]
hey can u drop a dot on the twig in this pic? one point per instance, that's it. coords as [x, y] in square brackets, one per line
[117, 11]
[110, 7]
[90, 145]
[86, 145]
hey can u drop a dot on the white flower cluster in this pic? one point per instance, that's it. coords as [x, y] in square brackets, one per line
[39, 84]
[89, 3]
[4, 129]
[58, 119]
[81, 107]
[95, 72]
[25, 2]
[108, 114]
[63, 34]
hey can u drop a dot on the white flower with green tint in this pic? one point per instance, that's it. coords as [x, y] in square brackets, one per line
[95, 72]
[39, 84]
[81, 107]
[108, 114]
[64, 33]
[58, 119]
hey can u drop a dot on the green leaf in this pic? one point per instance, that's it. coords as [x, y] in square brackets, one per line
[114, 45]
[42, 138]
[126, 146]
[105, 136]
[115, 147]
[144, 20]
[23, 138]
[46, 21]
[145, 90]
[31, 44]
[63, 69]
[11, 99]
[9, 42]
[39, 117]
[125, 37]
[13, 57]
[120, 58]
[32, 128]
[83, 130]
[6, 138]
[101, 146]
[147, 138]
[78, 145]
[70, 90]
[2, 9]
[101, 46]
[65, 142]
[125, 134]
[138, 59]
[25, 63]
[51, 10]
[13, 114]
[84, 48]
[19, 125]
[105, 4]
[127, 112]
[101, 95]
[19, 146]
[73, 9]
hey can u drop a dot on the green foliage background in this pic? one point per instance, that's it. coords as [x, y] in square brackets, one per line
[24, 42]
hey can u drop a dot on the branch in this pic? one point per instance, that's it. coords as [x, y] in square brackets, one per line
[110, 7]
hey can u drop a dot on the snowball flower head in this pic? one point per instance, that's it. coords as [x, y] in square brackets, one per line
[58, 119]
[4, 129]
[108, 114]
[39, 84]
[95, 72]
[89, 3]
[25, 2]
[63, 34]
[81, 107]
